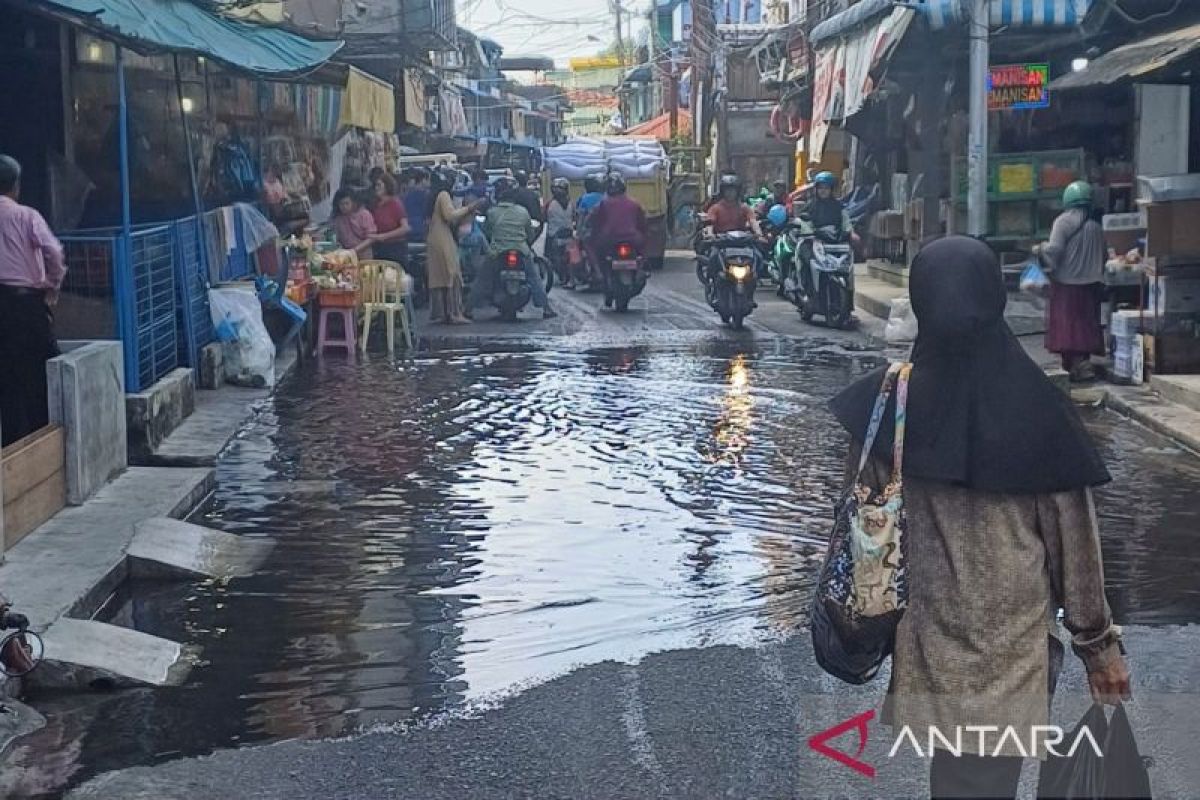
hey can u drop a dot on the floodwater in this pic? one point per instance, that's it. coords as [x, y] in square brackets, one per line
[452, 528]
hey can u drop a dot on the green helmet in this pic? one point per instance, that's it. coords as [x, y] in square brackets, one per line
[1078, 194]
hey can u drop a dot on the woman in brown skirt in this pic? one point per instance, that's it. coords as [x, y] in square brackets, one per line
[445, 270]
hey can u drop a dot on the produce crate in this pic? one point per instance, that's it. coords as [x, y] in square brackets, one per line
[339, 298]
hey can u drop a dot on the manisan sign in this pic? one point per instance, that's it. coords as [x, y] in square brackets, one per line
[1015, 86]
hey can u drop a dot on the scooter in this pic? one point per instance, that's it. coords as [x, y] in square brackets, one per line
[511, 292]
[826, 285]
[626, 275]
[728, 267]
[782, 265]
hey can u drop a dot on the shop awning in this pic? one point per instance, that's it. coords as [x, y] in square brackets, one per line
[1012, 13]
[368, 102]
[847, 66]
[849, 21]
[178, 26]
[1144, 59]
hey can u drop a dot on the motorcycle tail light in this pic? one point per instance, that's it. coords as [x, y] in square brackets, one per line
[512, 259]
[624, 252]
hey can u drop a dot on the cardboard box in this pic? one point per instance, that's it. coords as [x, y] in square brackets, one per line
[1172, 295]
[1173, 229]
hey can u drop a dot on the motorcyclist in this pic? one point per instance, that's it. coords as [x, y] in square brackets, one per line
[508, 226]
[730, 213]
[826, 210]
[593, 195]
[529, 200]
[559, 221]
[619, 218]
[780, 196]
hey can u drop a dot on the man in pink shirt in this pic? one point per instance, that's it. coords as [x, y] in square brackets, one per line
[31, 272]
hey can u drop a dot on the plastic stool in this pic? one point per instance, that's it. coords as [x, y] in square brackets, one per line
[347, 342]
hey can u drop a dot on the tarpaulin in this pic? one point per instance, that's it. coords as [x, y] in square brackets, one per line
[368, 102]
[453, 117]
[178, 26]
[414, 97]
[1010, 13]
[845, 72]
[1140, 59]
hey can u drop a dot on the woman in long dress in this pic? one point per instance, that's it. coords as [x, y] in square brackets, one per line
[1001, 527]
[442, 262]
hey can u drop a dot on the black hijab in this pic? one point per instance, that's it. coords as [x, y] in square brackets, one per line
[981, 413]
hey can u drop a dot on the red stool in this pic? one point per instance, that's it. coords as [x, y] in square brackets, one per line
[347, 340]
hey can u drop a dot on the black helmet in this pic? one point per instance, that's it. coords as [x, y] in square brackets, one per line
[615, 183]
[522, 177]
[593, 183]
[504, 187]
[731, 181]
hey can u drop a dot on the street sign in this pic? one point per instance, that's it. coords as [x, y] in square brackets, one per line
[1018, 86]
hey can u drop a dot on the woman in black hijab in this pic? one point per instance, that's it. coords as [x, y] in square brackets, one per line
[1001, 530]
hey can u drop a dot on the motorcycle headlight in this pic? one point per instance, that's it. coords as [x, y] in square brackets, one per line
[739, 272]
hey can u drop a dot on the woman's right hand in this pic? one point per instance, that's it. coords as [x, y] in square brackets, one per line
[1111, 684]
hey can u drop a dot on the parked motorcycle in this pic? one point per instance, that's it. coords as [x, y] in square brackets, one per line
[826, 277]
[728, 267]
[626, 275]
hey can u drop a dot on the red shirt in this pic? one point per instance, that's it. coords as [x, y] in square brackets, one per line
[619, 218]
[728, 217]
[389, 214]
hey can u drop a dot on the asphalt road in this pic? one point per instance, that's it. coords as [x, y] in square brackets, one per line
[718, 722]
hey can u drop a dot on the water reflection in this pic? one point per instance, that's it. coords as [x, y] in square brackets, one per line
[477, 519]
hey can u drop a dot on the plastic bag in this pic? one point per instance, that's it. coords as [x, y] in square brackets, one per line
[246, 347]
[1034, 280]
[1119, 773]
[902, 322]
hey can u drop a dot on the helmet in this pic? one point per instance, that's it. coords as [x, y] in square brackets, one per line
[560, 185]
[730, 180]
[522, 177]
[614, 183]
[593, 183]
[1078, 195]
[777, 216]
[504, 187]
[825, 179]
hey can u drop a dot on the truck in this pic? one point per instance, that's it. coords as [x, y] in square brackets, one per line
[643, 163]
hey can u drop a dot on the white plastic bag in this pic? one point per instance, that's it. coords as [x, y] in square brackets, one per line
[246, 347]
[902, 322]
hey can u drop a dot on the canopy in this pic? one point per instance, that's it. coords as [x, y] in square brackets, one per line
[368, 102]
[178, 26]
[1138, 59]
[1010, 13]
[660, 127]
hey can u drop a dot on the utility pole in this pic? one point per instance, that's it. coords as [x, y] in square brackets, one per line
[977, 141]
[616, 7]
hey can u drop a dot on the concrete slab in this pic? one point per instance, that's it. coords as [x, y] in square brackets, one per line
[72, 563]
[152, 415]
[1182, 389]
[218, 415]
[87, 398]
[1177, 422]
[85, 654]
[164, 546]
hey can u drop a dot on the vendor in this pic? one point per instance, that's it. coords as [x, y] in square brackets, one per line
[390, 241]
[353, 224]
[1073, 259]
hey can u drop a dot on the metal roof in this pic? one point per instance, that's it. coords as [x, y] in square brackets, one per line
[1140, 59]
[178, 26]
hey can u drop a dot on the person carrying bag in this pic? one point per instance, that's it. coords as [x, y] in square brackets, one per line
[862, 591]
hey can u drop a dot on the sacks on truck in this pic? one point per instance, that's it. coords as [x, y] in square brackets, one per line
[634, 159]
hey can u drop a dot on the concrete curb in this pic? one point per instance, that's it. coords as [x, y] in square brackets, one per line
[1176, 422]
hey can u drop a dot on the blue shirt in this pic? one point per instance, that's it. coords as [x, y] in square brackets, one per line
[589, 202]
[416, 205]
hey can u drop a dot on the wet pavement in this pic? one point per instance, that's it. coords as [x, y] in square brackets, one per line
[515, 505]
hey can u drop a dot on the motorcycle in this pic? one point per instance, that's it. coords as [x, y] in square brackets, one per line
[511, 292]
[826, 285]
[782, 265]
[728, 267]
[626, 275]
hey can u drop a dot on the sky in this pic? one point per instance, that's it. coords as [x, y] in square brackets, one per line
[554, 28]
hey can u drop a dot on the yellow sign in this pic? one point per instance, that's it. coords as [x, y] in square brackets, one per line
[594, 62]
[1016, 178]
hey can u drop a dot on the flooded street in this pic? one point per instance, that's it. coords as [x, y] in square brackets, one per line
[452, 529]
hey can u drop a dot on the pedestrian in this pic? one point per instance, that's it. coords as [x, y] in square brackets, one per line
[390, 241]
[416, 204]
[442, 261]
[31, 274]
[1001, 527]
[353, 224]
[1073, 259]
